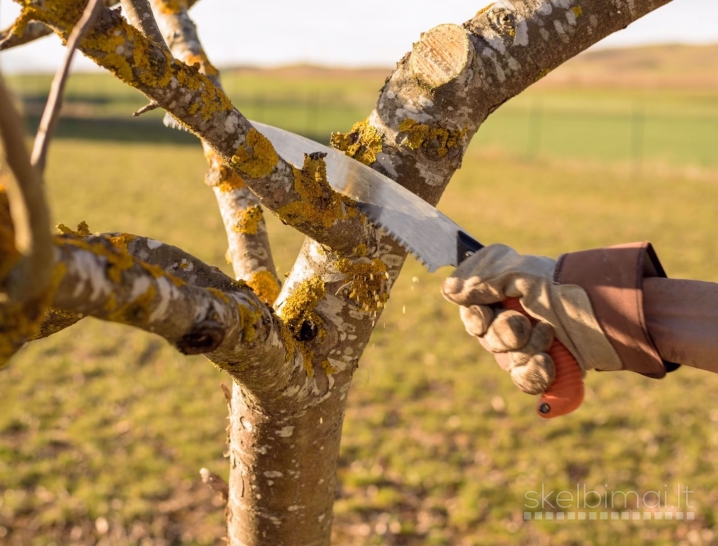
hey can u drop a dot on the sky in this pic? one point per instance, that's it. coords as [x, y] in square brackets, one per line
[340, 33]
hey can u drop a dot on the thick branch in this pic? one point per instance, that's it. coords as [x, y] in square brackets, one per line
[191, 97]
[249, 251]
[15, 35]
[226, 321]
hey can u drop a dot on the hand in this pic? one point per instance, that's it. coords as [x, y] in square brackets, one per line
[498, 272]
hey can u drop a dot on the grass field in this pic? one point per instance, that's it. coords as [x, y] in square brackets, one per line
[103, 429]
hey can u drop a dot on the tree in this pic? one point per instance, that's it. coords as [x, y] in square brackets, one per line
[292, 352]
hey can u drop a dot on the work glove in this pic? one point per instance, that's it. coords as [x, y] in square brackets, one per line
[561, 308]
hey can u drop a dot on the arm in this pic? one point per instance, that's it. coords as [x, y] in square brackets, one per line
[611, 307]
[682, 318]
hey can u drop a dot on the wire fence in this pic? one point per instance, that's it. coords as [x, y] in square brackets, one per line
[629, 130]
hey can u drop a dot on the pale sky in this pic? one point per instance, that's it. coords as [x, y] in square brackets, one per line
[340, 33]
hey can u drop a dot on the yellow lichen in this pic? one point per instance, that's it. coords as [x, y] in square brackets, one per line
[434, 140]
[319, 204]
[220, 175]
[577, 11]
[367, 282]
[265, 285]
[363, 142]
[135, 312]
[127, 53]
[83, 230]
[256, 157]
[299, 316]
[20, 322]
[172, 7]
[250, 319]
[248, 220]
[360, 250]
[202, 63]
[157, 272]
[328, 368]
[122, 240]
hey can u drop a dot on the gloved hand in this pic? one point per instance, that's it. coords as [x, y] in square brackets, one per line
[498, 272]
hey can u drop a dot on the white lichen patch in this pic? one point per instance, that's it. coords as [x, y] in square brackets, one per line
[522, 34]
[273, 474]
[285, 432]
[152, 244]
[89, 272]
[139, 287]
[166, 291]
[231, 123]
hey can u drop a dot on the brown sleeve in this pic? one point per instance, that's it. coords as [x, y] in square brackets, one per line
[682, 318]
[613, 278]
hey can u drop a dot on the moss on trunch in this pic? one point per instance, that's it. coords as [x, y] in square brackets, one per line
[136, 312]
[83, 230]
[220, 175]
[265, 285]
[297, 312]
[328, 368]
[319, 205]
[367, 280]
[201, 62]
[114, 44]
[248, 220]
[157, 272]
[250, 319]
[20, 322]
[122, 240]
[363, 142]
[577, 11]
[172, 7]
[436, 141]
[256, 157]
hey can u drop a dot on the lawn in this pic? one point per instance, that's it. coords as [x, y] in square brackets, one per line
[102, 431]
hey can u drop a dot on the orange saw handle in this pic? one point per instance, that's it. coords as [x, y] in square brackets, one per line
[566, 392]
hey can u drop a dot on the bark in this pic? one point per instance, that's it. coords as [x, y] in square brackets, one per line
[249, 252]
[288, 400]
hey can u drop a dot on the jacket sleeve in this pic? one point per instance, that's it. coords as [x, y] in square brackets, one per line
[613, 277]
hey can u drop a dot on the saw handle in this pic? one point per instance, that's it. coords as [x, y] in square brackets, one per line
[566, 392]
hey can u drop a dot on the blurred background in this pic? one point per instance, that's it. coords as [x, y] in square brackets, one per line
[101, 433]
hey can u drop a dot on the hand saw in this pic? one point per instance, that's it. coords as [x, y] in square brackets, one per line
[428, 234]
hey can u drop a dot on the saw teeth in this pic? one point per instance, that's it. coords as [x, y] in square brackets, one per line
[404, 244]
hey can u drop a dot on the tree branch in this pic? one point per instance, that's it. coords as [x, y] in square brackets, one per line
[54, 101]
[249, 250]
[32, 31]
[225, 320]
[17, 35]
[302, 199]
[140, 16]
[28, 209]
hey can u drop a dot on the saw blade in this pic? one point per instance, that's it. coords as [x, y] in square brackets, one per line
[420, 228]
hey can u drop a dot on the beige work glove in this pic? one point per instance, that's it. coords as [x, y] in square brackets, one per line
[498, 272]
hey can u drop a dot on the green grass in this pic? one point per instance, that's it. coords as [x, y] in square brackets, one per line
[103, 428]
[663, 127]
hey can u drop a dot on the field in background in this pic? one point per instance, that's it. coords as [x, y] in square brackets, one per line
[102, 434]
[653, 109]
